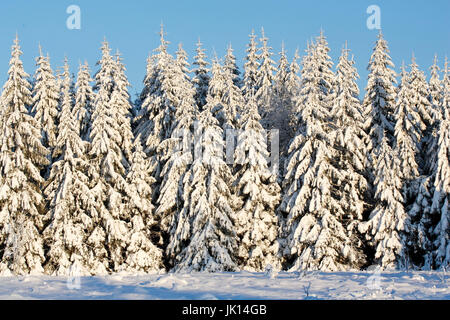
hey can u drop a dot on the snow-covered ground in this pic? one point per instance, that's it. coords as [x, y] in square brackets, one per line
[241, 285]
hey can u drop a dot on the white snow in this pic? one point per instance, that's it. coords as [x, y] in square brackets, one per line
[237, 285]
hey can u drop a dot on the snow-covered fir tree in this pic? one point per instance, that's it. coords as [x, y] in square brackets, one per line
[251, 66]
[285, 90]
[84, 99]
[201, 76]
[407, 131]
[120, 100]
[424, 216]
[435, 90]
[418, 97]
[107, 157]
[265, 80]
[205, 238]
[415, 195]
[72, 205]
[164, 89]
[176, 156]
[225, 99]
[388, 223]
[182, 60]
[255, 184]
[437, 113]
[142, 254]
[379, 100]
[231, 66]
[45, 100]
[22, 156]
[316, 235]
[349, 140]
[441, 197]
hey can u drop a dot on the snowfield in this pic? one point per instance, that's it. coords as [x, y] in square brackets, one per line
[238, 285]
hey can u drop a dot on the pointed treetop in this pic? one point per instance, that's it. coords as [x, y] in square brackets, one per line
[40, 48]
[413, 58]
[297, 54]
[435, 59]
[345, 50]
[162, 35]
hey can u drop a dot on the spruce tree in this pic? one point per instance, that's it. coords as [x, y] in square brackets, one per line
[264, 82]
[107, 157]
[255, 184]
[316, 237]
[182, 60]
[142, 254]
[349, 140]
[285, 90]
[45, 101]
[120, 100]
[201, 76]
[379, 100]
[407, 132]
[225, 98]
[22, 156]
[251, 66]
[205, 239]
[441, 197]
[418, 97]
[176, 156]
[72, 206]
[388, 223]
[84, 99]
[231, 66]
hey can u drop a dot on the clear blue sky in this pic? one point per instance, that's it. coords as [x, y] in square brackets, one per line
[132, 26]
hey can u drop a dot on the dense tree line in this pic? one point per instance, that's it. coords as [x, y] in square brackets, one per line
[183, 178]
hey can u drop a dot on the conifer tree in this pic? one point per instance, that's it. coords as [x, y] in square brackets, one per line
[72, 206]
[264, 83]
[22, 156]
[435, 99]
[45, 100]
[201, 76]
[205, 239]
[231, 66]
[418, 97]
[407, 132]
[285, 90]
[120, 100]
[435, 91]
[256, 223]
[84, 99]
[225, 98]
[349, 140]
[388, 223]
[182, 60]
[176, 155]
[142, 255]
[107, 158]
[441, 197]
[251, 66]
[379, 101]
[316, 238]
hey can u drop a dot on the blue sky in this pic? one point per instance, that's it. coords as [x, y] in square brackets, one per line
[132, 26]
